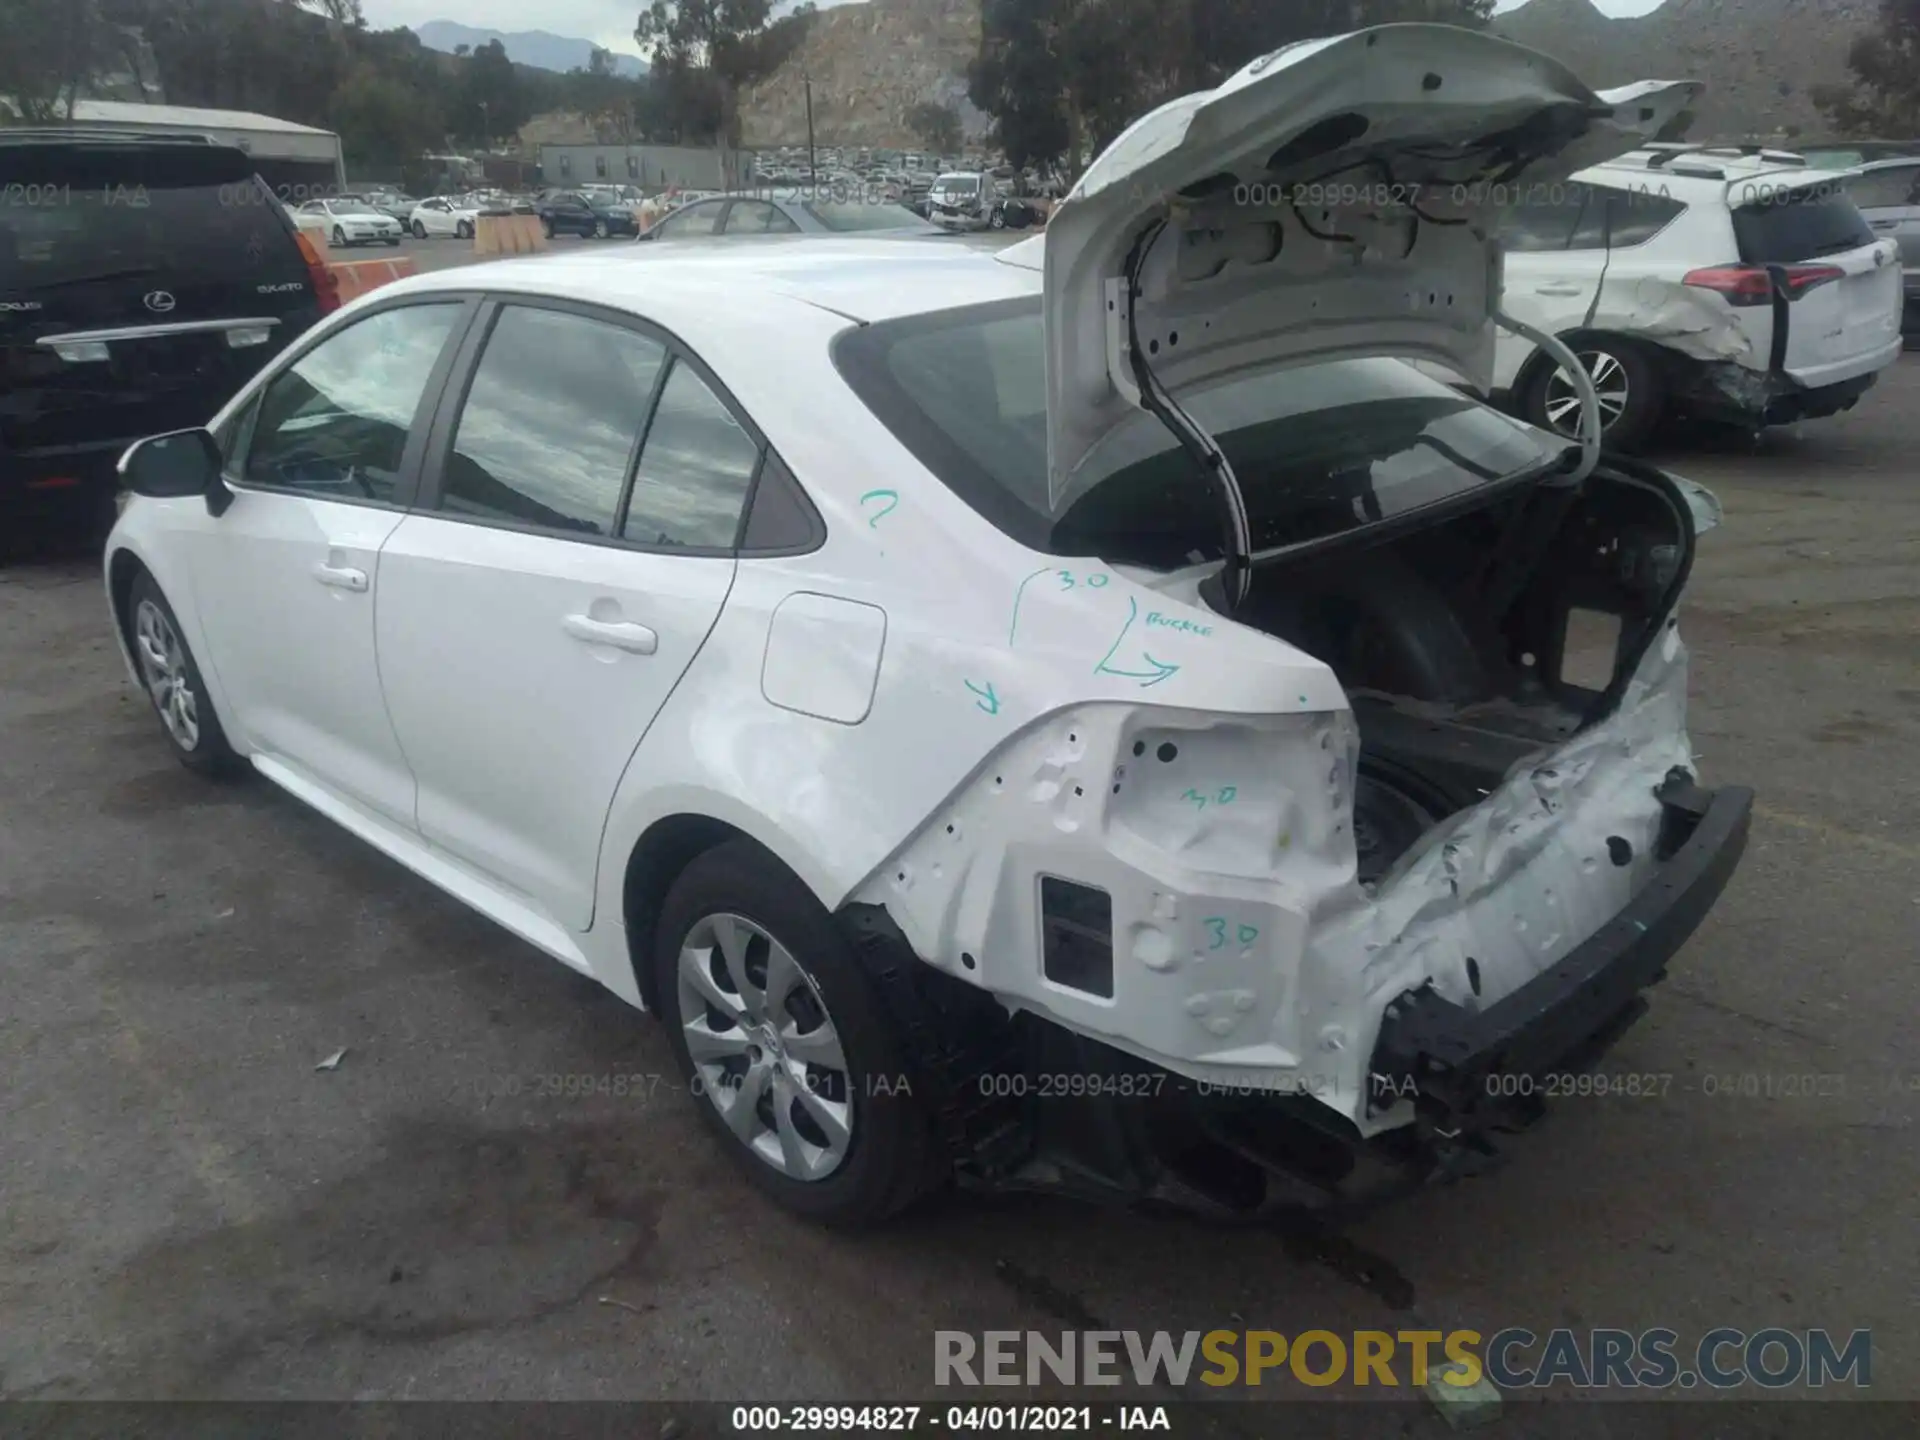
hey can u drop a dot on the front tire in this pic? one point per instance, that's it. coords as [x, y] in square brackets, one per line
[599, 229]
[998, 220]
[173, 682]
[1630, 388]
[339, 238]
[419, 230]
[464, 230]
[784, 1044]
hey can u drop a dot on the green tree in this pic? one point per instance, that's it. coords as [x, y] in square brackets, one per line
[488, 100]
[1018, 78]
[49, 49]
[1883, 97]
[937, 125]
[381, 121]
[705, 51]
[1055, 74]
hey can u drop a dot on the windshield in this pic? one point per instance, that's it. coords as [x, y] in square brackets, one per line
[847, 216]
[126, 211]
[1320, 450]
[952, 186]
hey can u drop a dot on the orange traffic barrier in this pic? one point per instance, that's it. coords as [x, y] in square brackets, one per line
[358, 277]
[509, 235]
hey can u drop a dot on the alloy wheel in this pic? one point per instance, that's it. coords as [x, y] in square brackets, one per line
[1610, 386]
[163, 665]
[765, 1052]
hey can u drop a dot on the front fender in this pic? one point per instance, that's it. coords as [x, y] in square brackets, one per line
[147, 534]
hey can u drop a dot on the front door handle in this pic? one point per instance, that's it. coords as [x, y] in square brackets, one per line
[341, 577]
[1568, 290]
[621, 634]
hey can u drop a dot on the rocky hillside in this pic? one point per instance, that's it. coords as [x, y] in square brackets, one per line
[1760, 59]
[870, 65]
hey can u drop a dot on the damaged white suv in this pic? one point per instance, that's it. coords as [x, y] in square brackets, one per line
[1730, 284]
[1091, 718]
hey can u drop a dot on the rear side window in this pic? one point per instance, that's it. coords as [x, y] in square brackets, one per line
[73, 213]
[1543, 219]
[695, 471]
[1781, 227]
[547, 431]
[1636, 216]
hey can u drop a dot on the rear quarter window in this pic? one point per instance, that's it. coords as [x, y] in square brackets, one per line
[1779, 226]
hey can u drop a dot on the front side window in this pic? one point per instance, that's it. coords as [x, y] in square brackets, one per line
[335, 424]
[695, 471]
[546, 434]
[1321, 450]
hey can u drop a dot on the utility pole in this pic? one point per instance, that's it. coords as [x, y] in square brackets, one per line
[813, 163]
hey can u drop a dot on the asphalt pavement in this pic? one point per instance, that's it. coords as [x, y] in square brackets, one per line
[188, 1208]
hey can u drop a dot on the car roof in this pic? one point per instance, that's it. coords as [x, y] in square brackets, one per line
[1708, 167]
[862, 280]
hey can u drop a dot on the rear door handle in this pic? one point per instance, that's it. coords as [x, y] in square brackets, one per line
[1557, 290]
[341, 577]
[621, 634]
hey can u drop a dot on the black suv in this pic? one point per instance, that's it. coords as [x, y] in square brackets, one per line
[143, 280]
[573, 212]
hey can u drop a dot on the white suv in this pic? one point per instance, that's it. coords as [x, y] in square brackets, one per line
[1732, 284]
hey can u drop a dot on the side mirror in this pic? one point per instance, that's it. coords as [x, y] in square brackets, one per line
[186, 462]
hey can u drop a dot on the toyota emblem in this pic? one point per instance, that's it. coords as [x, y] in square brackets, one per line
[158, 301]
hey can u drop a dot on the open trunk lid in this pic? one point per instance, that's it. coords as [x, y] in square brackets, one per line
[1333, 199]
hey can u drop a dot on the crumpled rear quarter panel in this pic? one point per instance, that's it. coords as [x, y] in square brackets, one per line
[1246, 953]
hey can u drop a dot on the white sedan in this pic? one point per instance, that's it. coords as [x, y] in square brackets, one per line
[444, 215]
[352, 222]
[1004, 724]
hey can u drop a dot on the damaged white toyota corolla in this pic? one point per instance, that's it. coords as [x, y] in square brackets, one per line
[1090, 718]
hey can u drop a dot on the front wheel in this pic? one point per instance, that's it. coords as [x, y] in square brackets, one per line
[783, 1043]
[339, 238]
[998, 220]
[1626, 383]
[464, 230]
[599, 229]
[173, 682]
[419, 230]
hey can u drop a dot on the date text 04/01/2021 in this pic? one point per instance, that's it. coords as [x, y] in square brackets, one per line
[960, 1419]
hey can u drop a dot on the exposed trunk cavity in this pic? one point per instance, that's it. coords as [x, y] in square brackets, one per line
[1473, 646]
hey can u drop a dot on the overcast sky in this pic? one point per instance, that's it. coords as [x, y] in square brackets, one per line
[610, 22]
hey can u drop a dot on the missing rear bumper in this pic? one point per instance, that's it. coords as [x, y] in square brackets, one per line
[1453, 1060]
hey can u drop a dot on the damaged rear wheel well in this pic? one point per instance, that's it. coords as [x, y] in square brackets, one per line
[1648, 374]
[666, 849]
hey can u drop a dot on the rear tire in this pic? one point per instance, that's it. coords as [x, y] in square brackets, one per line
[599, 229]
[173, 683]
[1632, 394]
[730, 924]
